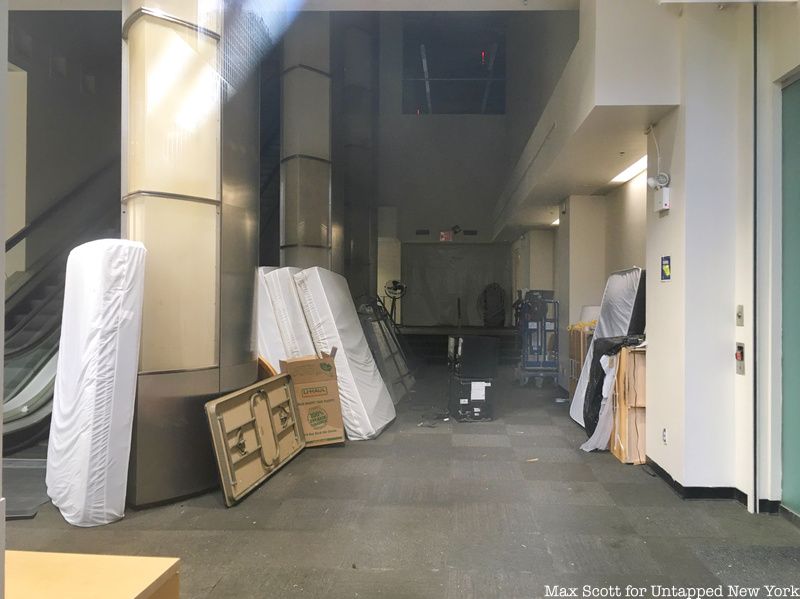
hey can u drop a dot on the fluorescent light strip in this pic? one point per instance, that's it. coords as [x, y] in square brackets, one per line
[630, 172]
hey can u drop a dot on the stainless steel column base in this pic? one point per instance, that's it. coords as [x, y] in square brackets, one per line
[171, 453]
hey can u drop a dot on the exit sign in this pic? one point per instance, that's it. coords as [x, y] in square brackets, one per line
[446, 235]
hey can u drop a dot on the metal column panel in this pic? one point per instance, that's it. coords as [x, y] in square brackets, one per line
[240, 209]
[171, 455]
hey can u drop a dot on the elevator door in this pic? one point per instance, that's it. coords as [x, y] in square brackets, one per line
[791, 297]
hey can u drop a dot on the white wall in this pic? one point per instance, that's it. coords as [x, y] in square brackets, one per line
[538, 48]
[521, 263]
[666, 307]
[587, 251]
[779, 62]
[532, 257]
[626, 215]
[694, 393]
[637, 59]
[542, 260]
[561, 281]
[570, 103]
[580, 265]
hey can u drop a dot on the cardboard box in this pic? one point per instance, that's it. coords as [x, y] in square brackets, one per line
[317, 393]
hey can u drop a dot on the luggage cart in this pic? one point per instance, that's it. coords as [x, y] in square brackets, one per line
[537, 325]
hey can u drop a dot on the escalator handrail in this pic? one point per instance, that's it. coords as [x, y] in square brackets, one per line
[51, 261]
[67, 199]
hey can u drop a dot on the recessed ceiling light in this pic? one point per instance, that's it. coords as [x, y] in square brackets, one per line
[556, 222]
[630, 172]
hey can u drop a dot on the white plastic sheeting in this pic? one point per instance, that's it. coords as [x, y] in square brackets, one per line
[602, 432]
[268, 335]
[98, 360]
[616, 310]
[292, 324]
[445, 280]
[367, 407]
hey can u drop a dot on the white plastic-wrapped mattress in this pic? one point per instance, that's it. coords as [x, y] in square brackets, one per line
[289, 313]
[367, 407]
[98, 360]
[616, 310]
[268, 335]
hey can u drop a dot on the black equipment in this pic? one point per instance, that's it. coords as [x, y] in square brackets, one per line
[394, 290]
[472, 364]
[492, 306]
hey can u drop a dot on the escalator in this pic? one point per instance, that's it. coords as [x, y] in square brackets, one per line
[35, 299]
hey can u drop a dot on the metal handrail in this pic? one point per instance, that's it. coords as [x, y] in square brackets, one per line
[37, 221]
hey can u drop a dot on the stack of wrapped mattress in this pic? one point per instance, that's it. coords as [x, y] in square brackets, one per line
[98, 359]
[288, 312]
[268, 335]
[367, 407]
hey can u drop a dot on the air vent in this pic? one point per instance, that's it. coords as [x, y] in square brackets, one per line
[470, 232]
[423, 232]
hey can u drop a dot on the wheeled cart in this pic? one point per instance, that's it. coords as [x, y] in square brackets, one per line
[537, 325]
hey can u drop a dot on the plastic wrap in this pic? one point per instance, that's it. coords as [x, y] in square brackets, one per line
[95, 387]
[597, 413]
[268, 335]
[601, 434]
[445, 281]
[616, 310]
[291, 321]
[367, 407]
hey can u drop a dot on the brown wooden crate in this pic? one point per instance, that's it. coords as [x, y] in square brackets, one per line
[628, 433]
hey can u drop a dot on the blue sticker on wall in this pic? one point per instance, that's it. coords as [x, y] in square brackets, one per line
[666, 268]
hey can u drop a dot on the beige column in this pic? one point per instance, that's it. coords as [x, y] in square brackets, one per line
[190, 194]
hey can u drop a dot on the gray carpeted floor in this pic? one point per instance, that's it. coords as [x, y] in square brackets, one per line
[478, 510]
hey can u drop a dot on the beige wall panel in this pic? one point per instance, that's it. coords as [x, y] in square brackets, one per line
[179, 327]
[205, 13]
[174, 106]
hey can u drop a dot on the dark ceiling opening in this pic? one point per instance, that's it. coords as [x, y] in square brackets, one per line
[454, 63]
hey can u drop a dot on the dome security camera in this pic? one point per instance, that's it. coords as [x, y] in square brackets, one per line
[660, 181]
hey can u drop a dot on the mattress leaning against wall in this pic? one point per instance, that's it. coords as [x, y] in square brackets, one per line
[367, 407]
[296, 337]
[269, 344]
[617, 309]
[93, 402]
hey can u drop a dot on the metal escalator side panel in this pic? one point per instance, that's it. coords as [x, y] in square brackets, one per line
[20, 370]
[37, 392]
